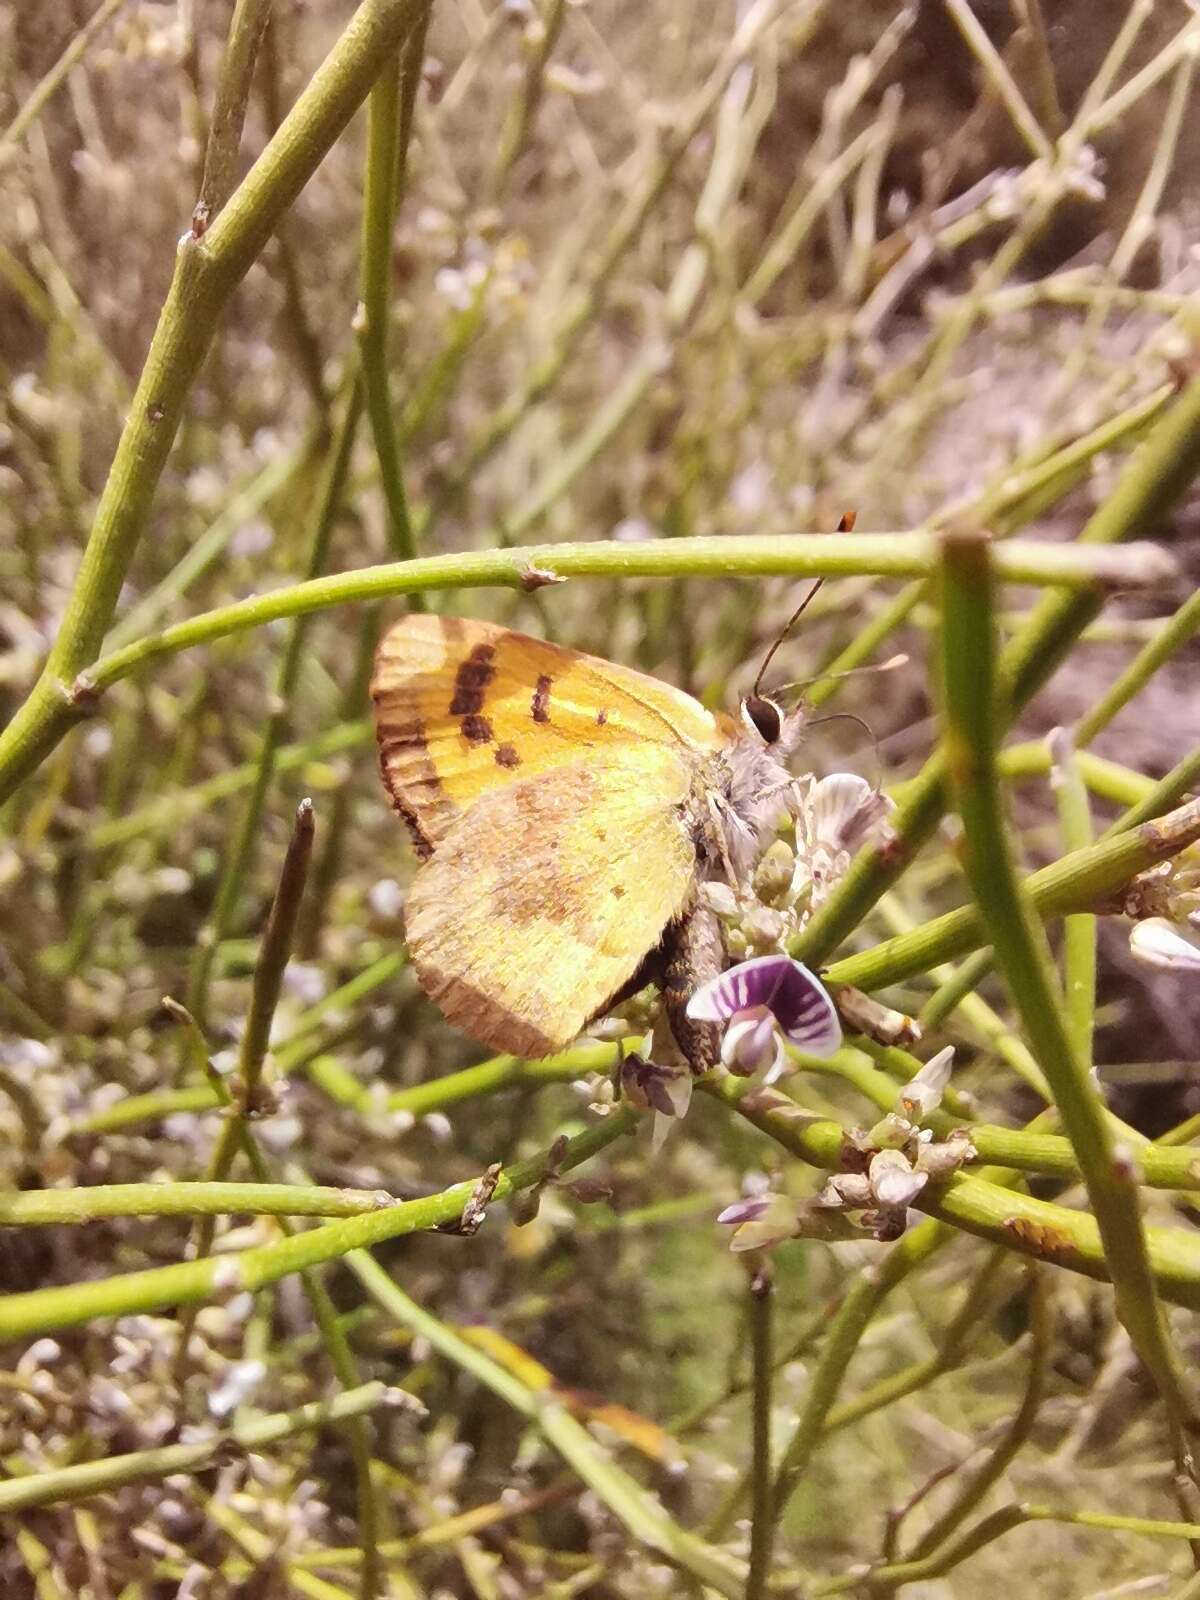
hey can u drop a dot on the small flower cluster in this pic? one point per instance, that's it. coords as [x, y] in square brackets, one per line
[834, 817]
[1165, 901]
[885, 1169]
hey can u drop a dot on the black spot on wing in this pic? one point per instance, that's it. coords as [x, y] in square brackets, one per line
[471, 681]
[477, 729]
[506, 756]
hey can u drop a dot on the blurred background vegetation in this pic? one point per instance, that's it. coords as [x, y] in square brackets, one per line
[656, 270]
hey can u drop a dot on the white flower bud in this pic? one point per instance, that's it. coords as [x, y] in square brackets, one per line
[893, 1181]
[1159, 944]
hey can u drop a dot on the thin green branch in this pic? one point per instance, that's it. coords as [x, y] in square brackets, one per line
[252, 1053]
[762, 1521]
[845, 1334]
[1022, 954]
[1075, 883]
[115, 1472]
[207, 271]
[733, 556]
[1079, 929]
[372, 321]
[237, 864]
[641, 1515]
[49, 85]
[977, 1204]
[971, 1494]
[214, 1278]
[39, 1207]
[1153, 482]
[229, 107]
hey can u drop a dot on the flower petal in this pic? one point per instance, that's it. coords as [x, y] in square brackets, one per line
[924, 1093]
[893, 1180]
[749, 1043]
[1158, 943]
[795, 998]
[845, 811]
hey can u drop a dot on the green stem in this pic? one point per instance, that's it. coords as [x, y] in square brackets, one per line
[733, 556]
[207, 272]
[115, 1472]
[845, 1334]
[762, 1522]
[373, 320]
[194, 1282]
[980, 1482]
[1023, 956]
[1076, 883]
[264, 997]
[1155, 479]
[238, 861]
[229, 106]
[976, 1204]
[641, 1515]
[1079, 929]
[48, 86]
[39, 1207]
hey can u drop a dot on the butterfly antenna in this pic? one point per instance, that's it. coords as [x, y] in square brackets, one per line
[845, 524]
[889, 665]
[849, 716]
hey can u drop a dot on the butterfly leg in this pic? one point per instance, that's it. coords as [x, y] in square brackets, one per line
[693, 951]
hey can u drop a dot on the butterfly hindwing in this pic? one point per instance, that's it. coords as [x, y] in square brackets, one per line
[540, 902]
[465, 707]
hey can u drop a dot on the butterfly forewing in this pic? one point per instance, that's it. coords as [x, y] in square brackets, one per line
[463, 708]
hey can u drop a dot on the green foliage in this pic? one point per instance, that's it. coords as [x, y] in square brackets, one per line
[675, 281]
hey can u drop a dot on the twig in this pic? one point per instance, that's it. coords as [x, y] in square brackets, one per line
[193, 1282]
[229, 107]
[114, 1472]
[644, 1518]
[744, 555]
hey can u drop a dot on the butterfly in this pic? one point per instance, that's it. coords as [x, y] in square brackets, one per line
[565, 810]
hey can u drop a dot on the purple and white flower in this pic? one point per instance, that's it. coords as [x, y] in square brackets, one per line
[759, 996]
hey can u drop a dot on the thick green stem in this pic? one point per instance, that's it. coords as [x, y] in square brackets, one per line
[972, 732]
[1156, 478]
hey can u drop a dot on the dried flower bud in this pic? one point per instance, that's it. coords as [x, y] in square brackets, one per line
[850, 1190]
[940, 1160]
[719, 898]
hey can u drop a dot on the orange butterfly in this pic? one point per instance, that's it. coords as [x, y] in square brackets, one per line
[566, 810]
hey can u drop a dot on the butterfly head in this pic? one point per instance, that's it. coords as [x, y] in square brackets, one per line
[763, 717]
[769, 726]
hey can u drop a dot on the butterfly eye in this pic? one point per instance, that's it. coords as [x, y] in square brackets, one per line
[764, 717]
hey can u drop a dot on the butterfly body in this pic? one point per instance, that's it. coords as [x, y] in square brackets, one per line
[566, 809]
